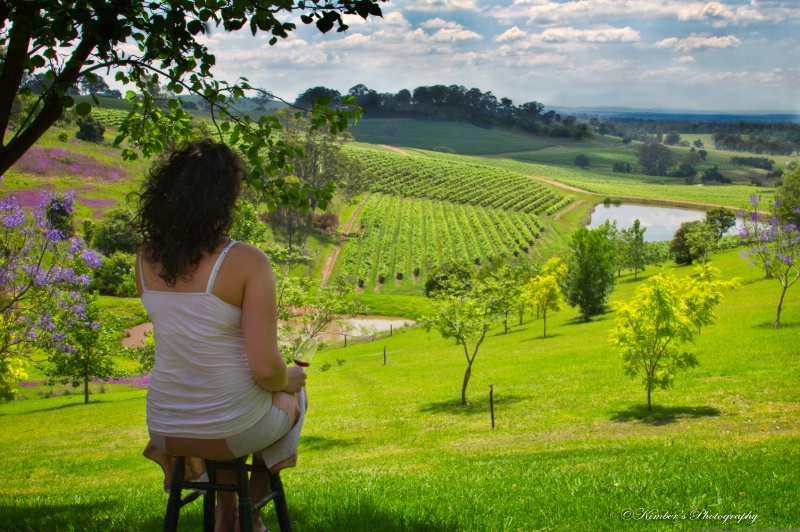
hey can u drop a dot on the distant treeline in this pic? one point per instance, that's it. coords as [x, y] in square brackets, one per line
[459, 104]
[484, 109]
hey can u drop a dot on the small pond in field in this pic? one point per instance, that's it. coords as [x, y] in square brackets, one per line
[364, 326]
[661, 222]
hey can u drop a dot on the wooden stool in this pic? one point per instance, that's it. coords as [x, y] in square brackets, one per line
[209, 489]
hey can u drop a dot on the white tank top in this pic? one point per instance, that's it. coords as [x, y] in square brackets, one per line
[201, 385]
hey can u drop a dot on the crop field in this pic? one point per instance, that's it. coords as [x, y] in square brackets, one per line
[459, 137]
[600, 155]
[401, 238]
[458, 182]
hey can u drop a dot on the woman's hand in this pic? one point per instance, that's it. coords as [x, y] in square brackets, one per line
[295, 379]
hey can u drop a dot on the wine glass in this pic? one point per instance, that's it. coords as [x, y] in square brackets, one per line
[304, 352]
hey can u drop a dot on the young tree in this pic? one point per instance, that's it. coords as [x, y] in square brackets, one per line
[88, 341]
[466, 318]
[653, 327]
[680, 246]
[633, 248]
[590, 271]
[543, 292]
[152, 44]
[114, 232]
[774, 246]
[787, 197]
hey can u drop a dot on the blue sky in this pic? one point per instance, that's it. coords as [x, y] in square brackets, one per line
[674, 54]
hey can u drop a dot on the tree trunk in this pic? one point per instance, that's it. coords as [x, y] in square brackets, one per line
[464, 386]
[649, 405]
[544, 320]
[780, 305]
[86, 384]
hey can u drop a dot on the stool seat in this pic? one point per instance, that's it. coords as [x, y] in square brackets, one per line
[209, 489]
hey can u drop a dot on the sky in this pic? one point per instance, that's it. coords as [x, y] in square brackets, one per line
[723, 55]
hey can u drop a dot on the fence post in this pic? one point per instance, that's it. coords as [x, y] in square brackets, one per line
[491, 402]
[384, 355]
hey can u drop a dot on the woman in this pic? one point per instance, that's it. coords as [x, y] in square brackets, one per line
[220, 388]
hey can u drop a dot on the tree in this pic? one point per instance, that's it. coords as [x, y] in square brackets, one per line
[633, 248]
[323, 160]
[503, 278]
[582, 161]
[88, 343]
[774, 246]
[656, 159]
[680, 246]
[40, 269]
[673, 138]
[246, 225]
[543, 292]
[114, 232]
[721, 219]
[466, 318]
[89, 129]
[652, 328]
[153, 44]
[449, 278]
[701, 239]
[590, 271]
[787, 197]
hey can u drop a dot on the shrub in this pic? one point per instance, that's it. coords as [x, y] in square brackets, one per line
[116, 276]
[582, 161]
[114, 232]
[90, 129]
[63, 137]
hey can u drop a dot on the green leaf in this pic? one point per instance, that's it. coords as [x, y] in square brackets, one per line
[67, 101]
[83, 109]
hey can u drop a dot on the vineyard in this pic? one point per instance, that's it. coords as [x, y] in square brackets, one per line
[458, 182]
[401, 238]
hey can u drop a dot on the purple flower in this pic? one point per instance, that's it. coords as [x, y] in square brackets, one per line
[741, 231]
[786, 259]
[796, 210]
[777, 204]
[92, 258]
[754, 200]
[754, 217]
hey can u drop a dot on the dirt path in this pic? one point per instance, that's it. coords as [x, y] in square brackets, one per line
[331, 260]
[398, 150]
[659, 201]
[569, 208]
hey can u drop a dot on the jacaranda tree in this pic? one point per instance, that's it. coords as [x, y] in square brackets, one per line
[773, 243]
[157, 49]
[43, 271]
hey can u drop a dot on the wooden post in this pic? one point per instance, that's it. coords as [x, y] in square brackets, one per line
[491, 402]
[345, 340]
[384, 355]
[390, 329]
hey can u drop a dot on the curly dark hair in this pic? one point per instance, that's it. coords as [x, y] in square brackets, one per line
[186, 205]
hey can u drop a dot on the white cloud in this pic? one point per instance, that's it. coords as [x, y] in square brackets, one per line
[439, 5]
[599, 35]
[513, 34]
[717, 13]
[698, 42]
[685, 59]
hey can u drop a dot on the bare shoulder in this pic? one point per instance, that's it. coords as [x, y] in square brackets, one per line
[248, 255]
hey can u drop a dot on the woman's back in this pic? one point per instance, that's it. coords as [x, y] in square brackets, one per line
[201, 384]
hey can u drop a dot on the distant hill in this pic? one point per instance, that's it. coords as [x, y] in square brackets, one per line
[680, 115]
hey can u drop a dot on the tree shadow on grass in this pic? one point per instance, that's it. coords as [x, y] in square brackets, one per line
[770, 325]
[663, 415]
[86, 516]
[475, 407]
[539, 338]
[321, 443]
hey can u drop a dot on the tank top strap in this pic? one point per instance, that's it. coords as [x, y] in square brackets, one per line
[140, 260]
[213, 277]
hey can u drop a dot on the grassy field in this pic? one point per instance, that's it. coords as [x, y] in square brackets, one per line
[386, 447]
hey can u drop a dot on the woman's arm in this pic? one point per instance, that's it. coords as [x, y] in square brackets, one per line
[260, 325]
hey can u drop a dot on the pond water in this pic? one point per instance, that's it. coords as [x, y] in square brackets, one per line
[661, 222]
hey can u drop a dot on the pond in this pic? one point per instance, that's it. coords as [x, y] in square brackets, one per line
[361, 326]
[661, 222]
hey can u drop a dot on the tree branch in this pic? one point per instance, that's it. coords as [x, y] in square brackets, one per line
[14, 65]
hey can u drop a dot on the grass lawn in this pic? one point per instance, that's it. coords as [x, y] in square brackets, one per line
[387, 447]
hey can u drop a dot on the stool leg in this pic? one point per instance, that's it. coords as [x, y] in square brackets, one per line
[281, 508]
[210, 498]
[174, 502]
[243, 491]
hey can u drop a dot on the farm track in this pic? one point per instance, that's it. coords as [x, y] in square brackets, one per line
[570, 207]
[330, 262]
[644, 201]
[398, 150]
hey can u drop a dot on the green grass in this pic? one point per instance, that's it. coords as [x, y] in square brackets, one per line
[387, 446]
